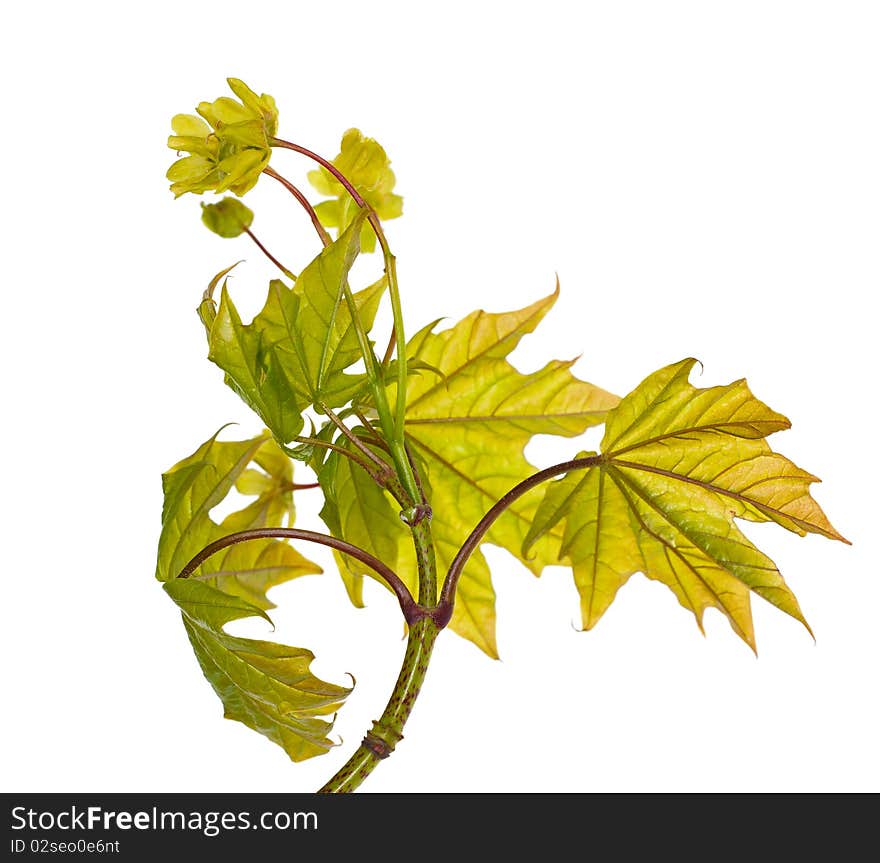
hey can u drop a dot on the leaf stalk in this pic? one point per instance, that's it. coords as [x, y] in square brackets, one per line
[400, 590]
[469, 546]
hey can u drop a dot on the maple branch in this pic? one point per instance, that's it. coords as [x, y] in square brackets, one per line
[445, 607]
[411, 611]
[387, 731]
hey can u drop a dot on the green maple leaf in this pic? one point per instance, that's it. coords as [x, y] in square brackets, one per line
[295, 351]
[364, 163]
[266, 686]
[358, 510]
[678, 465]
[361, 512]
[195, 485]
[470, 427]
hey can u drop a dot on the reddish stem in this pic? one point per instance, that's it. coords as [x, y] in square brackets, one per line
[322, 233]
[268, 254]
[358, 198]
[469, 546]
[411, 611]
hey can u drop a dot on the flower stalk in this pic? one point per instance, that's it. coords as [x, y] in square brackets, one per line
[394, 429]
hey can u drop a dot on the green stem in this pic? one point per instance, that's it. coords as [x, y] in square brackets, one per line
[383, 409]
[394, 430]
[387, 731]
[397, 313]
[424, 544]
[370, 363]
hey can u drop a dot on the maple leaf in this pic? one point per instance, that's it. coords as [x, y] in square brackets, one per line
[358, 510]
[266, 686]
[364, 163]
[195, 485]
[678, 465]
[469, 425]
[295, 351]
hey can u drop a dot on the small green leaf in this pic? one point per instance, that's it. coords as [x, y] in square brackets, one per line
[197, 484]
[295, 351]
[413, 367]
[257, 370]
[266, 686]
[678, 466]
[357, 510]
[207, 309]
[227, 218]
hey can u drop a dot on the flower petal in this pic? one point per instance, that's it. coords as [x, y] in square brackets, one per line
[324, 182]
[250, 134]
[189, 168]
[242, 170]
[228, 111]
[261, 106]
[248, 97]
[207, 147]
[190, 125]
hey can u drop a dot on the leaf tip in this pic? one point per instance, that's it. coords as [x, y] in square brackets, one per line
[222, 428]
[208, 293]
[833, 533]
[749, 639]
[688, 363]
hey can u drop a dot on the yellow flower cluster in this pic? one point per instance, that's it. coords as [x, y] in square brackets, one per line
[366, 165]
[228, 143]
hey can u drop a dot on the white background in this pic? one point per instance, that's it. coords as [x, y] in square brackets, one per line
[703, 177]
